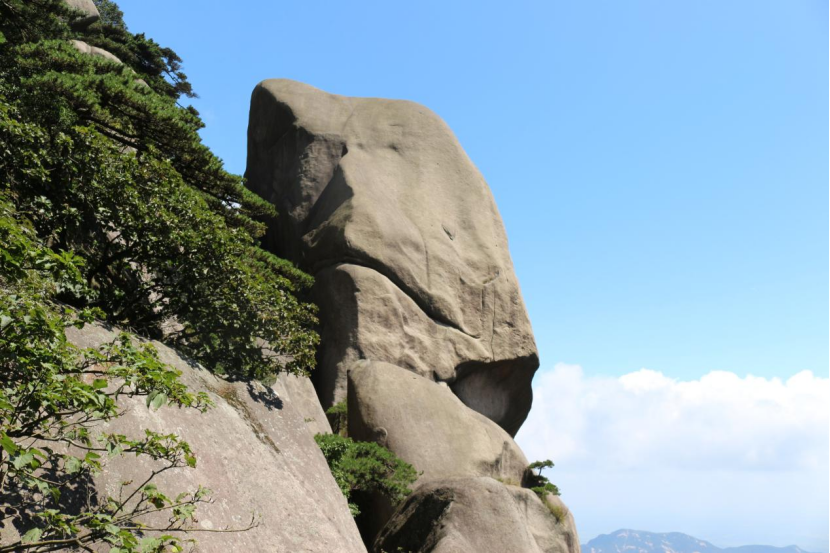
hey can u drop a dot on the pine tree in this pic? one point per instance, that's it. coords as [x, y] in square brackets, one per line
[110, 166]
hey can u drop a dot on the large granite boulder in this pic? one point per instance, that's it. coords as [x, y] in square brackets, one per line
[255, 450]
[90, 50]
[477, 515]
[87, 13]
[426, 425]
[380, 203]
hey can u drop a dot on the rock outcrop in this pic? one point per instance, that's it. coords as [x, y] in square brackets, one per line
[426, 425]
[382, 205]
[477, 515]
[424, 331]
[255, 451]
[90, 50]
[87, 13]
[552, 534]
[445, 439]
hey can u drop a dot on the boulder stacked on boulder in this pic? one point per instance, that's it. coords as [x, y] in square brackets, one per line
[422, 322]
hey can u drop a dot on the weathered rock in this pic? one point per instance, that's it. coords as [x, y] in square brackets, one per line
[426, 425]
[255, 451]
[380, 202]
[300, 393]
[553, 534]
[85, 48]
[475, 515]
[88, 13]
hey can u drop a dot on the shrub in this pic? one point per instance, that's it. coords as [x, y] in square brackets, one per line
[366, 467]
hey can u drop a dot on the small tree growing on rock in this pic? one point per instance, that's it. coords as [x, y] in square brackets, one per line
[538, 483]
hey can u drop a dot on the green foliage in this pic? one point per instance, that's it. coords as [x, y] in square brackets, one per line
[338, 416]
[366, 467]
[111, 207]
[28, 21]
[545, 489]
[53, 397]
[114, 171]
[160, 67]
[540, 465]
[539, 483]
[111, 15]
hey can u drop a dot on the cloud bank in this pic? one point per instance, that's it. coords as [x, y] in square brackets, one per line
[645, 420]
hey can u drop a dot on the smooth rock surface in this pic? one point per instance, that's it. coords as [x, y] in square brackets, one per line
[90, 50]
[88, 13]
[473, 515]
[380, 203]
[553, 534]
[426, 425]
[300, 393]
[255, 450]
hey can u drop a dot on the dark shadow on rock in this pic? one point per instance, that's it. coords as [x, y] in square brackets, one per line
[77, 496]
[415, 529]
[266, 396]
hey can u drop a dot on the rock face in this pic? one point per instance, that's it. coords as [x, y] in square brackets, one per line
[446, 439]
[426, 425]
[381, 204]
[424, 331]
[556, 534]
[85, 48]
[88, 13]
[255, 450]
[476, 515]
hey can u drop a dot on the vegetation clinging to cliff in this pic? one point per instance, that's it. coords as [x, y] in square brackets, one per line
[111, 207]
[111, 168]
[366, 467]
[538, 482]
[52, 397]
[362, 466]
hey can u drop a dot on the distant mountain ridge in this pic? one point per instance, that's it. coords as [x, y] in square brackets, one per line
[636, 541]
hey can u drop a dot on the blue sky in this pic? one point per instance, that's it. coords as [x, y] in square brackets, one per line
[662, 172]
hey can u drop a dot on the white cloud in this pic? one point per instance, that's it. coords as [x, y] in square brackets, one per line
[645, 420]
